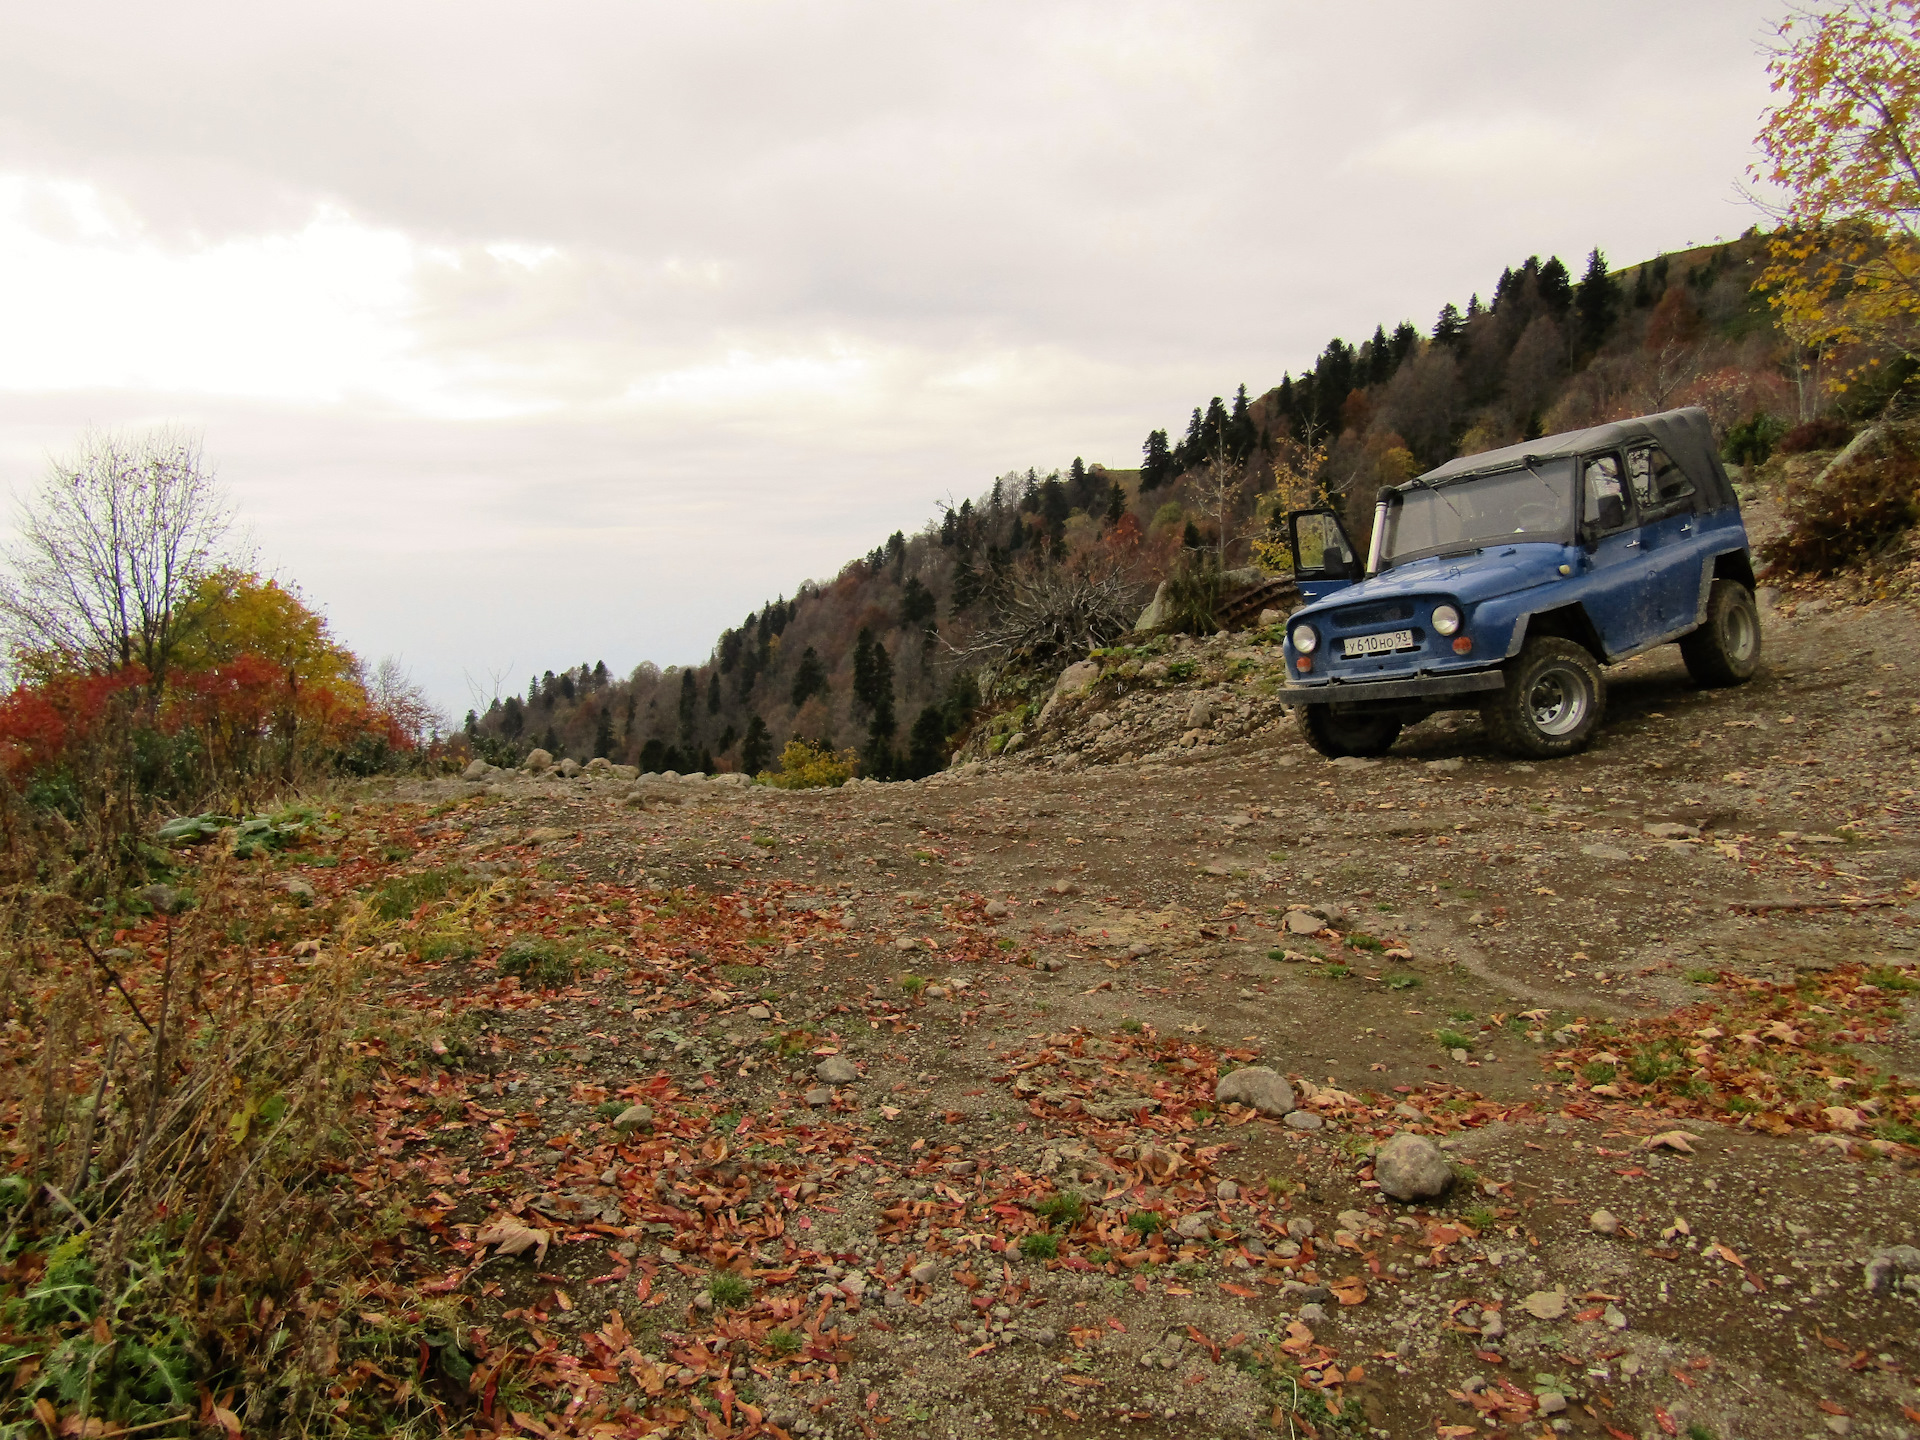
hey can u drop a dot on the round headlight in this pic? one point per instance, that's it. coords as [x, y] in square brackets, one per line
[1305, 639]
[1446, 619]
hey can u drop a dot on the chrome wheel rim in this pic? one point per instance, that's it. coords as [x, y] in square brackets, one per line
[1742, 633]
[1558, 701]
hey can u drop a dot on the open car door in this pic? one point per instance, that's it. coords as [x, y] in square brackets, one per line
[1323, 557]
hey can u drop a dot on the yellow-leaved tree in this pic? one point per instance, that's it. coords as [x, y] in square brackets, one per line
[1843, 143]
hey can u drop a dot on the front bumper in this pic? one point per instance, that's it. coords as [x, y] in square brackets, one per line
[1419, 687]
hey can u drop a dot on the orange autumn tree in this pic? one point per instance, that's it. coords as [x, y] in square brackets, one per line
[264, 684]
[1843, 143]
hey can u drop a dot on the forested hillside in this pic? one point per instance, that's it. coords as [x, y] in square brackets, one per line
[886, 657]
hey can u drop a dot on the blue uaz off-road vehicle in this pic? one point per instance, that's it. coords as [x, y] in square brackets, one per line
[1503, 582]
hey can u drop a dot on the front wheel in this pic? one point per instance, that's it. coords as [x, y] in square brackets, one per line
[1725, 650]
[1551, 704]
[1335, 736]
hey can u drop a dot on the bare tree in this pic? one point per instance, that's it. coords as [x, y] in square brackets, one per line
[398, 695]
[1043, 620]
[112, 546]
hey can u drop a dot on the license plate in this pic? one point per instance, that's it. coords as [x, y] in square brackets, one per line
[1377, 644]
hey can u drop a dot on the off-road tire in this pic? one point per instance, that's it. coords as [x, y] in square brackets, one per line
[1552, 703]
[1725, 650]
[1337, 735]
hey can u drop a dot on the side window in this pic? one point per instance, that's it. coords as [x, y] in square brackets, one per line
[1604, 502]
[1640, 476]
[1670, 482]
[1317, 543]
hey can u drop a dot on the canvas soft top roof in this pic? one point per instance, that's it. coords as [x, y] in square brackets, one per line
[1686, 436]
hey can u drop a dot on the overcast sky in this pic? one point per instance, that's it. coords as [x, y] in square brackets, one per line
[527, 335]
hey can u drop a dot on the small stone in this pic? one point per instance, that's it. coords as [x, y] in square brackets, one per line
[894, 1300]
[1304, 1120]
[1192, 1227]
[1887, 1267]
[1458, 1056]
[164, 899]
[1313, 1313]
[1604, 852]
[1605, 1222]
[1614, 1317]
[1492, 1327]
[1478, 917]
[836, 1070]
[997, 909]
[906, 942]
[1300, 1228]
[818, 1097]
[961, 1167]
[1552, 1403]
[1354, 1220]
[1200, 714]
[1545, 1304]
[299, 889]
[632, 1118]
[759, 1012]
[1226, 1190]
[1256, 1085]
[1670, 830]
[1304, 922]
[1410, 1167]
[925, 1273]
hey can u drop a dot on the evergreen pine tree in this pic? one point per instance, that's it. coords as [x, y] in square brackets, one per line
[713, 692]
[1240, 435]
[603, 733]
[927, 744]
[1446, 330]
[550, 743]
[1406, 339]
[966, 586]
[1556, 287]
[1116, 503]
[472, 727]
[689, 694]
[1379, 357]
[1156, 464]
[863, 668]
[653, 755]
[809, 678]
[757, 748]
[600, 675]
[1597, 299]
[917, 605]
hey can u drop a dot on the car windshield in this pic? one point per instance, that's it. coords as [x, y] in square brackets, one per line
[1529, 503]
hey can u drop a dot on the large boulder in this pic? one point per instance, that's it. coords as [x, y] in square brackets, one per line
[569, 768]
[1410, 1167]
[476, 770]
[538, 762]
[1077, 679]
[1265, 1090]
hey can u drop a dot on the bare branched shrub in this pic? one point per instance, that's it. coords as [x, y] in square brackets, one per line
[1041, 621]
[171, 1126]
[111, 547]
[1862, 509]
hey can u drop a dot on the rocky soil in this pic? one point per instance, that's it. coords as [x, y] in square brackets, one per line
[962, 1079]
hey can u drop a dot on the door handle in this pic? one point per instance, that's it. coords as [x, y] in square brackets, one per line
[1687, 529]
[1631, 545]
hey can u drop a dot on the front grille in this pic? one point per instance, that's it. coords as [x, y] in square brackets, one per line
[1382, 612]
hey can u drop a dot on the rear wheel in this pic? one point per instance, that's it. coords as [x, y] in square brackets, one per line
[1551, 704]
[1336, 735]
[1725, 650]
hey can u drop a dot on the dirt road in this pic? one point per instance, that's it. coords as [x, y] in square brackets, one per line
[1671, 980]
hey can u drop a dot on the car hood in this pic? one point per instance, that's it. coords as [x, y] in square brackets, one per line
[1496, 570]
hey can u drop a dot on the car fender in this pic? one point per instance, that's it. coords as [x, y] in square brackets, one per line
[1733, 563]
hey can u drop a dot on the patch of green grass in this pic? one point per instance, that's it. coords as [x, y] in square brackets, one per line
[1040, 1247]
[1402, 981]
[1697, 1431]
[743, 974]
[1744, 1105]
[1897, 1131]
[1276, 954]
[609, 1109]
[1887, 977]
[1066, 1208]
[765, 842]
[401, 897]
[1481, 1217]
[1145, 1222]
[1003, 943]
[1099, 1254]
[449, 945]
[1598, 1072]
[1362, 941]
[538, 961]
[1461, 1017]
[784, 1342]
[1702, 976]
[729, 1291]
[1654, 1063]
[794, 1042]
[1453, 1040]
[1132, 1026]
[1336, 972]
[913, 984]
